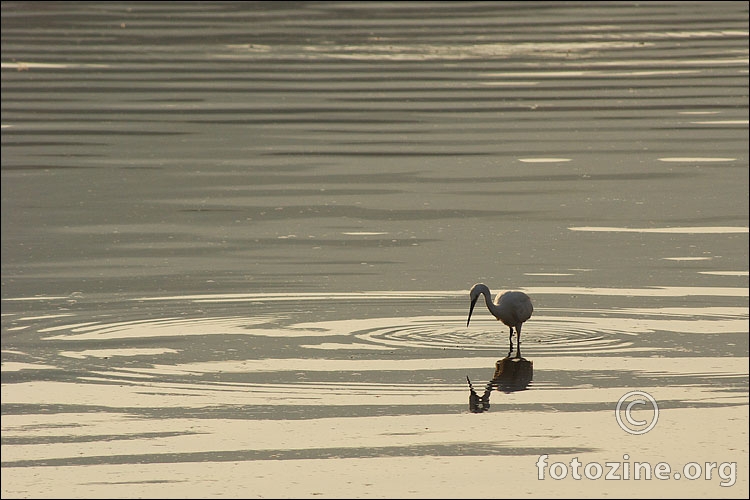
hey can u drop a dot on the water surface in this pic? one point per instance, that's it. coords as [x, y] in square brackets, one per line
[238, 239]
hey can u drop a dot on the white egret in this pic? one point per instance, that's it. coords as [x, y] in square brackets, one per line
[512, 308]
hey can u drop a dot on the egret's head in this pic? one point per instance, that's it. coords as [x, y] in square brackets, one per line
[476, 291]
[474, 294]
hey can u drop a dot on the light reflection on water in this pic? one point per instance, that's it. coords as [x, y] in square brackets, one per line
[185, 219]
[214, 388]
[554, 332]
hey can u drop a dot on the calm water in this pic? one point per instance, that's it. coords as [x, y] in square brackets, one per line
[238, 239]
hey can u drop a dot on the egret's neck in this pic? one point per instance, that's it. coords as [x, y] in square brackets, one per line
[488, 300]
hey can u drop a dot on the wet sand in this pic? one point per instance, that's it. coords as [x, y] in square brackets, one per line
[238, 239]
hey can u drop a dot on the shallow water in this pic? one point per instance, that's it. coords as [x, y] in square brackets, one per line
[237, 243]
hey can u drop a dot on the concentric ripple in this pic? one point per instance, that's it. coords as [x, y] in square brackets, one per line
[575, 332]
[162, 327]
[561, 335]
[551, 331]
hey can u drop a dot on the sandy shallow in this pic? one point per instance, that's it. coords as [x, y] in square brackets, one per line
[406, 456]
[238, 239]
[109, 450]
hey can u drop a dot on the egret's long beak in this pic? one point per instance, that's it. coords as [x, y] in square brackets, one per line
[471, 309]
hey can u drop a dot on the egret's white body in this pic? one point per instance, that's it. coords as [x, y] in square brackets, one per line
[512, 308]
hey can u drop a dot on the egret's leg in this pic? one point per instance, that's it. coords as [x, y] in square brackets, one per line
[518, 340]
[510, 339]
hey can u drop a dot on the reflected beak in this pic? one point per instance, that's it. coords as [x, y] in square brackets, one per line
[471, 309]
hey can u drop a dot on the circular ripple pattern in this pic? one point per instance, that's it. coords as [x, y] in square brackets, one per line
[554, 335]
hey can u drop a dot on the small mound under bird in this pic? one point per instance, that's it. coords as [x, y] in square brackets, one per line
[513, 308]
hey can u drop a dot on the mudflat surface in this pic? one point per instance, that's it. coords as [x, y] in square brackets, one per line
[238, 239]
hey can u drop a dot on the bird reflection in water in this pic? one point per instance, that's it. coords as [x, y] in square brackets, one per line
[511, 374]
[513, 308]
